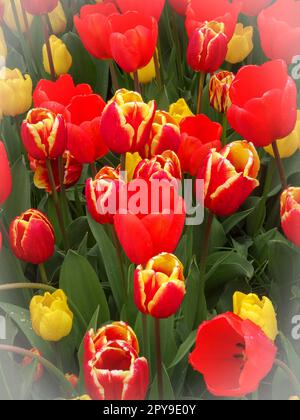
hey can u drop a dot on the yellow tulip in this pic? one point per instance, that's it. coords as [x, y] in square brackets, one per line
[15, 92]
[3, 46]
[62, 59]
[58, 19]
[290, 144]
[132, 161]
[240, 45]
[260, 311]
[51, 317]
[147, 73]
[9, 18]
[180, 110]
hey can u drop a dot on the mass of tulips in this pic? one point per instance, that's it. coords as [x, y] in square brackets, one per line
[149, 200]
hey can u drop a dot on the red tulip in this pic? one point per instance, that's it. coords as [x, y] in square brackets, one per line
[126, 122]
[179, 6]
[84, 140]
[264, 103]
[102, 195]
[44, 134]
[159, 286]
[222, 11]
[94, 28]
[32, 237]
[253, 7]
[39, 7]
[152, 8]
[164, 166]
[5, 175]
[290, 214]
[207, 47]
[113, 332]
[72, 172]
[198, 136]
[165, 135]
[133, 40]
[279, 27]
[219, 87]
[39, 368]
[229, 177]
[154, 225]
[114, 372]
[233, 355]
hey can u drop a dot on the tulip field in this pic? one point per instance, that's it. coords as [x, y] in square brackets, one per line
[150, 200]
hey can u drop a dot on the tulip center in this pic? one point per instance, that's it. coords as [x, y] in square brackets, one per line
[114, 359]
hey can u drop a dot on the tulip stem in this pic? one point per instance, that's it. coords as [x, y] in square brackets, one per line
[48, 46]
[280, 166]
[157, 69]
[205, 247]
[43, 273]
[119, 254]
[292, 377]
[224, 133]
[50, 27]
[113, 76]
[159, 365]
[137, 86]
[93, 169]
[200, 91]
[57, 206]
[145, 335]
[48, 365]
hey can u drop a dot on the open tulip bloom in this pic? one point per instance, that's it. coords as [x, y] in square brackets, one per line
[149, 202]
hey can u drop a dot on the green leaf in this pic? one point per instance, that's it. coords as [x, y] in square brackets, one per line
[184, 349]
[81, 284]
[292, 357]
[235, 219]
[167, 388]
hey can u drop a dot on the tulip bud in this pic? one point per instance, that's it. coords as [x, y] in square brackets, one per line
[9, 17]
[58, 19]
[131, 120]
[240, 45]
[44, 134]
[15, 92]
[164, 166]
[180, 110]
[116, 331]
[32, 237]
[5, 175]
[207, 47]
[3, 46]
[219, 87]
[159, 286]
[165, 135]
[260, 311]
[39, 369]
[102, 195]
[38, 7]
[51, 317]
[132, 160]
[62, 59]
[290, 214]
[114, 372]
[229, 177]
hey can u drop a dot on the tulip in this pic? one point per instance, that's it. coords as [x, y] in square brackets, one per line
[51, 317]
[289, 145]
[229, 177]
[198, 136]
[44, 134]
[113, 332]
[164, 166]
[222, 11]
[147, 73]
[126, 122]
[133, 40]
[266, 111]
[152, 8]
[38, 7]
[240, 45]
[102, 195]
[280, 30]
[254, 7]
[3, 46]
[114, 372]
[290, 214]
[233, 355]
[260, 311]
[62, 59]
[84, 140]
[71, 174]
[165, 135]
[207, 47]
[180, 110]
[159, 287]
[154, 227]
[32, 237]
[58, 19]
[94, 29]
[9, 17]
[62, 91]
[15, 92]
[27, 361]
[5, 175]
[179, 6]
[132, 160]
[219, 87]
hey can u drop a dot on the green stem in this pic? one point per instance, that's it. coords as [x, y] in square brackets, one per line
[48, 46]
[159, 365]
[93, 169]
[157, 70]
[280, 166]
[205, 248]
[292, 377]
[200, 91]
[123, 166]
[43, 273]
[113, 75]
[145, 335]
[4, 231]
[119, 253]
[224, 133]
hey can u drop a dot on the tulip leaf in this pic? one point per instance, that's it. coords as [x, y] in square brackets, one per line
[235, 219]
[80, 282]
[184, 349]
[167, 388]
[292, 357]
